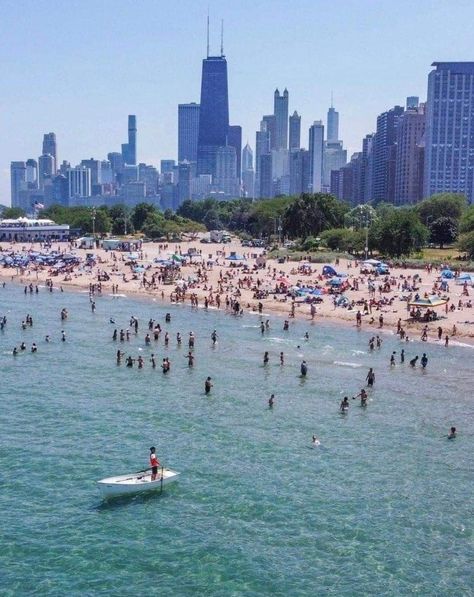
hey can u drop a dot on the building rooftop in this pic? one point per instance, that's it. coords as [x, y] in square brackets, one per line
[462, 68]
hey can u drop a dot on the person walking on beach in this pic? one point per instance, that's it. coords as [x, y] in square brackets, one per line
[208, 385]
[154, 463]
[370, 378]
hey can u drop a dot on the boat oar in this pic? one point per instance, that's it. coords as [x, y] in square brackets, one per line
[144, 471]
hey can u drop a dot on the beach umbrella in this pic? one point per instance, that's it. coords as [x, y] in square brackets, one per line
[429, 303]
[335, 281]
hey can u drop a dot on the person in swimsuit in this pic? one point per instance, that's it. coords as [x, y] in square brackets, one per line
[370, 378]
[207, 385]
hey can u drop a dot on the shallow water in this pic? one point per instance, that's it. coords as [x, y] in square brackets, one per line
[382, 507]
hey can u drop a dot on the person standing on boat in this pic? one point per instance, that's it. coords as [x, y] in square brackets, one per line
[154, 463]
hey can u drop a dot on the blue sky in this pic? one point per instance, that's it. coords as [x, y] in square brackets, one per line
[79, 67]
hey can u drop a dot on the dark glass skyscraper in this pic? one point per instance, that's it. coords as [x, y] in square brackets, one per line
[129, 150]
[214, 113]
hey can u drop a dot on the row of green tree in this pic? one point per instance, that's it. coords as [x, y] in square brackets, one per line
[313, 219]
[322, 219]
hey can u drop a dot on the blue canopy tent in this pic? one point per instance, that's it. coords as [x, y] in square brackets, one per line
[328, 270]
[447, 273]
[335, 281]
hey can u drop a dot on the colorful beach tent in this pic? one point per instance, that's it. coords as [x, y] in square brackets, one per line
[328, 270]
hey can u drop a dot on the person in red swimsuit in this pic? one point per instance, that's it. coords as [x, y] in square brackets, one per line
[154, 463]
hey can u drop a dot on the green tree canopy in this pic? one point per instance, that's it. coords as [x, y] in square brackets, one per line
[140, 213]
[443, 231]
[399, 233]
[12, 213]
[466, 243]
[466, 223]
[309, 215]
[442, 205]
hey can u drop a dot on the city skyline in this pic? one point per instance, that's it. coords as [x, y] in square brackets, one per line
[91, 123]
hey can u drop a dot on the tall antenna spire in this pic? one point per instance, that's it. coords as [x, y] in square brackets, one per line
[207, 32]
[332, 99]
[222, 38]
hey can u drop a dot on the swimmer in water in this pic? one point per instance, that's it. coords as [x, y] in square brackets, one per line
[315, 441]
[306, 336]
[271, 400]
[402, 356]
[208, 385]
[15, 351]
[370, 378]
[190, 358]
[34, 348]
[47, 339]
[392, 359]
[282, 358]
[153, 360]
[265, 358]
[424, 360]
[344, 404]
[413, 361]
[452, 433]
[304, 369]
[363, 397]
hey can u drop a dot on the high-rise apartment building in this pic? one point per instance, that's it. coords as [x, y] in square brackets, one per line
[449, 137]
[184, 181]
[265, 176]
[299, 171]
[262, 147]
[383, 187]
[214, 113]
[410, 156]
[95, 166]
[316, 144]
[188, 131]
[49, 146]
[79, 182]
[226, 180]
[295, 131]
[280, 111]
[17, 182]
[129, 150]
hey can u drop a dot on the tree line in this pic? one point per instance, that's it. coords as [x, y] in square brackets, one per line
[311, 219]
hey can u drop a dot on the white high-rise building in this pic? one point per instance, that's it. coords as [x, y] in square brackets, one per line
[79, 182]
[316, 145]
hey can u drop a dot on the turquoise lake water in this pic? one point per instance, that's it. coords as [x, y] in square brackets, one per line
[382, 507]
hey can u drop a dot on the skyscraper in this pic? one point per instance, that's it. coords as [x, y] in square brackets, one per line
[410, 156]
[333, 125]
[95, 168]
[214, 113]
[449, 137]
[129, 150]
[234, 139]
[46, 168]
[17, 182]
[270, 122]
[184, 182]
[49, 146]
[295, 131]
[226, 180]
[299, 171]
[316, 144]
[383, 187]
[247, 158]
[280, 110]
[262, 147]
[32, 174]
[79, 182]
[188, 131]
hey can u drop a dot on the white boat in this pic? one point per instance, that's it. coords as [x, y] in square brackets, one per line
[136, 482]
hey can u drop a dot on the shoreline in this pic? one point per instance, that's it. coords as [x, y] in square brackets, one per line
[212, 281]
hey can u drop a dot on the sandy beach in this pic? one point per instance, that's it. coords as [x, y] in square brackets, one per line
[212, 277]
